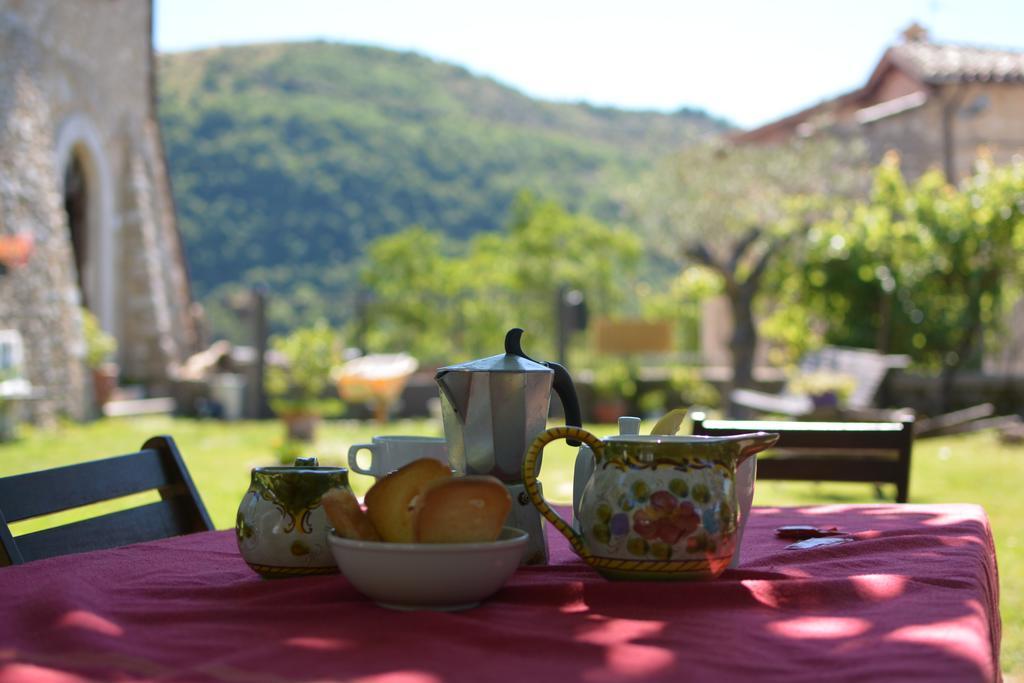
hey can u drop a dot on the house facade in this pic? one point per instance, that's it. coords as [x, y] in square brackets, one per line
[83, 180]
[937, 104]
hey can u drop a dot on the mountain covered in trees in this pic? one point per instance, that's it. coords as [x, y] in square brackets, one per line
[287, 159]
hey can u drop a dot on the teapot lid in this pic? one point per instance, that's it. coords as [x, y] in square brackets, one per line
[513, 360]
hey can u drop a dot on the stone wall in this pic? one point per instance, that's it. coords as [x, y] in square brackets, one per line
[39, 299]
[988, 115]
[981, 115]
[76, 83]
[916, 134]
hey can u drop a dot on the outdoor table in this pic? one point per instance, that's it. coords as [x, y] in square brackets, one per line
[914, 597]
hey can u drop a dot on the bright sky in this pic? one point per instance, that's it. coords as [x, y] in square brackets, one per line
[750, 61]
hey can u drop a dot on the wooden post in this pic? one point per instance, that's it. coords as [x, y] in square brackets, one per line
[259, 407]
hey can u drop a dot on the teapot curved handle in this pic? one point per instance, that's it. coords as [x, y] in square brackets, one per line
[530, 473]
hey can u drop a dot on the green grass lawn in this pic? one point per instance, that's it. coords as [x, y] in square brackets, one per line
[973, 468]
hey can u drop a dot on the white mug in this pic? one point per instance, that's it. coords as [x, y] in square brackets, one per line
[388, 453]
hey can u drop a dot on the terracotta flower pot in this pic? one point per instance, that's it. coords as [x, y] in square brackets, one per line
[609, 410]
[301, 426]
[104, 381]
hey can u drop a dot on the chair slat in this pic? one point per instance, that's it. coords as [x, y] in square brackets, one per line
[838, 468]
[33, 494]
[144, 523]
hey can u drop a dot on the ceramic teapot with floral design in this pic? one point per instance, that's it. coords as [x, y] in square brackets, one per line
[655, 507]
[281, 527]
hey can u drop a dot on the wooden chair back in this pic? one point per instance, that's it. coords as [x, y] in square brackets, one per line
[874, 452]
[158, 466]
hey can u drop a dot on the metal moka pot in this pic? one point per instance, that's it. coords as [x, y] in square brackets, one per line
[493, 408]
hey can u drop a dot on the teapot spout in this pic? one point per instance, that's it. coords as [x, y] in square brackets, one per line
[753, 443]
[749, 444]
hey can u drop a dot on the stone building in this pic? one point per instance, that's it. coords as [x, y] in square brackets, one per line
[937, 104]
[82, 174]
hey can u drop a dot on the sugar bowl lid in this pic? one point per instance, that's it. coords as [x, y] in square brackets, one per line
[303, 465]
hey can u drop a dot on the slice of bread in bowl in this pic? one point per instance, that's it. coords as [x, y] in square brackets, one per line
[389, 502]
[347, 517]
[470, 509]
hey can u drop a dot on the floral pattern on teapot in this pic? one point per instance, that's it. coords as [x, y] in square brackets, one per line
[663, 518]
[657, 507]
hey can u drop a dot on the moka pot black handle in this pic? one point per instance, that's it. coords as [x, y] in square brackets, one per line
[562, 383]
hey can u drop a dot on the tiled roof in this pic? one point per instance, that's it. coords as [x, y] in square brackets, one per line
[927, 62]
[937, 63]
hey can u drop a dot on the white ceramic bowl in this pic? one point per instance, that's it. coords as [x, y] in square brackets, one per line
[430, 576]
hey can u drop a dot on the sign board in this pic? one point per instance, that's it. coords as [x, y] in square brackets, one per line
[632, 336]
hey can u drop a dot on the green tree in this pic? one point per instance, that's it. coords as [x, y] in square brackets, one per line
[735, 209]
[412, 276]
[679, 299]
[550, 248]
[919, 268]
[444, 300]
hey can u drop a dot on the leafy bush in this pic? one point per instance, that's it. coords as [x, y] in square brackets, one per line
[693, 390]
[99, 346]
[301, 383]
[613, 378]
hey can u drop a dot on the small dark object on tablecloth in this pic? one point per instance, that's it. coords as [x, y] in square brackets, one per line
[811, 536]
[802, 531]
[808, 543]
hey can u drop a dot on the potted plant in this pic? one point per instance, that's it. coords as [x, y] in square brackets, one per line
[299, 383]
[828, 390]
[614, 390]
[100, 348]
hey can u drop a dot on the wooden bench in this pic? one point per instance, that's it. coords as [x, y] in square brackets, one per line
[872, 452]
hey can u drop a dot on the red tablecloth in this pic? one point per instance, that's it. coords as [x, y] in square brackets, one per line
[914, 598]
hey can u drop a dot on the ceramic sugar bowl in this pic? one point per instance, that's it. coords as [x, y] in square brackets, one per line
[281, 527]
[654, 507]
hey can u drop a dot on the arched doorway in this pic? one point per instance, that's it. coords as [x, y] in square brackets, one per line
[76, 205]
[80, 162]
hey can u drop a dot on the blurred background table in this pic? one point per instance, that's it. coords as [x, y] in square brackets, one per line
[376, 379]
